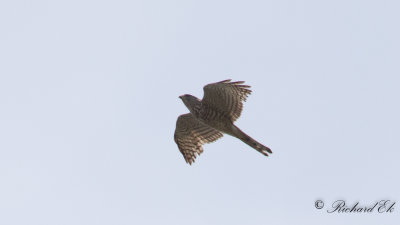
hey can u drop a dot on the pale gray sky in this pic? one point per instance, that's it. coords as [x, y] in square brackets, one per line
[89, 100]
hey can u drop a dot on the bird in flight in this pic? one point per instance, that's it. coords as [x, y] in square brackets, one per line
[212, 116]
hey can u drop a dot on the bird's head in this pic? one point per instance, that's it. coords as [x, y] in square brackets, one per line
[190, 101]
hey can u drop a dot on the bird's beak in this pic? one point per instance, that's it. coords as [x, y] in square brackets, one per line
[181, 96]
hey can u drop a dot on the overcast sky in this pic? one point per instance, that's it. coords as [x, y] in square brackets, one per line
[89, 101]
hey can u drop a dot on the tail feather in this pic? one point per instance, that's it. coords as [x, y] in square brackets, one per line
[251, 142]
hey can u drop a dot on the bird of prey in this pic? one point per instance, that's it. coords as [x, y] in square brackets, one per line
[212, 116]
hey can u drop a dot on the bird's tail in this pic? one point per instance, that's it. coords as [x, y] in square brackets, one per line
[250, 141]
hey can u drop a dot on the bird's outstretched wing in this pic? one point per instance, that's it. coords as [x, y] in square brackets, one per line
[191, 134]
[226, 97]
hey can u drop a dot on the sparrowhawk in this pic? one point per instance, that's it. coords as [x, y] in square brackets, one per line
[212, 116]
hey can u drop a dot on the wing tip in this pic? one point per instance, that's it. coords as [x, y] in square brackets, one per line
[265, 150]
[189, 160]
[225, 81]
